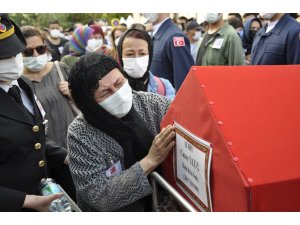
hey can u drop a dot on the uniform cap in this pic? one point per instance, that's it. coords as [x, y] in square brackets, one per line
[12, 41]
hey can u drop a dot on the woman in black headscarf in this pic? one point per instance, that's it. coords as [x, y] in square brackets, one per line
[135, 52]
[250, 28]
[112, 144]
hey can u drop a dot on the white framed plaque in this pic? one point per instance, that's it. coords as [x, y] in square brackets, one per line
[192, 158]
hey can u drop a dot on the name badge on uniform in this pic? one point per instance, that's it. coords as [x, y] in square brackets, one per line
[218, 43]
[114, 170]
[39, 105]
[61, 49]
[45, 123]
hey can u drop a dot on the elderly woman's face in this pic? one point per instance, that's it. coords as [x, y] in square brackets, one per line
[108, 85]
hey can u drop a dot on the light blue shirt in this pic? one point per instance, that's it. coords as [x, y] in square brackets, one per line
[153, 86]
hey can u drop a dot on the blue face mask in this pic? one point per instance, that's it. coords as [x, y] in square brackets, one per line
[241, 33]
[36, 64]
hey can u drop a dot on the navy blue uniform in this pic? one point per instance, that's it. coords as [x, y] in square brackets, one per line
[280, 46]
[25, 153]
[172, 58]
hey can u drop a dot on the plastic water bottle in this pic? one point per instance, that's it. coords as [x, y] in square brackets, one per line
[49, 187]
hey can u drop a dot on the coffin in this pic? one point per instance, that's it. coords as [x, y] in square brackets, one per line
[251, 117]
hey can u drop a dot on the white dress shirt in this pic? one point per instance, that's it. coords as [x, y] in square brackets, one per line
[271, 25]
[157, 26]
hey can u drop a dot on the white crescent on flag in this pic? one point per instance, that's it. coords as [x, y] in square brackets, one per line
[178, 41]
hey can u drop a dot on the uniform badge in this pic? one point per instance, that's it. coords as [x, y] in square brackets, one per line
[178, 41]
[218, 43]
[45, 123]
[2, 27]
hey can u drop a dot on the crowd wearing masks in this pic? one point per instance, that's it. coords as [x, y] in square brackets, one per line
[85, 107]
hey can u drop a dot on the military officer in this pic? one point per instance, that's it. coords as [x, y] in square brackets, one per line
[24, 151]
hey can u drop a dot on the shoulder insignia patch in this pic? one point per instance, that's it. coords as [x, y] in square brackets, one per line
[178, 41]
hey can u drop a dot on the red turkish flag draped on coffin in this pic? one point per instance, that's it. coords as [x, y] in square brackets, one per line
[251, 117]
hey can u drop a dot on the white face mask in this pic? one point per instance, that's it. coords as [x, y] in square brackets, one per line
[120, 103]
[94, 44]
[136, 67]
[36, 64]
[152, 17]
[197, 36]
[12, 68]
[55, 33]
[67, 37]
[267, 16]
[212, 17]
[117, 41]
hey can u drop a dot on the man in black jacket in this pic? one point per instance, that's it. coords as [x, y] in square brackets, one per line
[24, 151]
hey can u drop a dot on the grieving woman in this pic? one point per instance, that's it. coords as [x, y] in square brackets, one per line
[136, 52]
[115, 143]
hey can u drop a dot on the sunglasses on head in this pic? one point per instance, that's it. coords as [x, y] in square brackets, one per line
[39, 49]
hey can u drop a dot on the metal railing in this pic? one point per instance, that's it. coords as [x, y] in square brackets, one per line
[156, 178]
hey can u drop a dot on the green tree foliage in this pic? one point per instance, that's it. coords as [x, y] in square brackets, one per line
[67, 20]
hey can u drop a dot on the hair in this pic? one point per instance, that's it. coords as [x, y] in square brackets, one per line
[91, 22]
[237, 15]
[138, 26]
[121, 28]
[183, 25]
[204, 23]
[235, 22]
[53, 22]
[183, 18]
[30, 31]
[112, 38]
[192, 19]
[97, 29]
[294, 15]
[249, 14]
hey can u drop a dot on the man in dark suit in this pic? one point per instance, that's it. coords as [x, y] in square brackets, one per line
[278, 42]
[24, 151]
[172, 57]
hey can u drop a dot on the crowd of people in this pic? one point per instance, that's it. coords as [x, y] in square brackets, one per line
[84, 108]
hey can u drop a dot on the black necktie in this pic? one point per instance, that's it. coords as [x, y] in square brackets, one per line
[15, 93]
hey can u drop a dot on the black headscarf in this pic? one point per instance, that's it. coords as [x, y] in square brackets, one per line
[137, 84]
[248, 35]
[129, 131]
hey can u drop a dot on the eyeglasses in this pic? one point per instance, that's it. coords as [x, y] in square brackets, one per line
[39, 49]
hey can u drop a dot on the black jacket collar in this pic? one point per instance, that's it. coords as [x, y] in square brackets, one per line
[10, 109]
